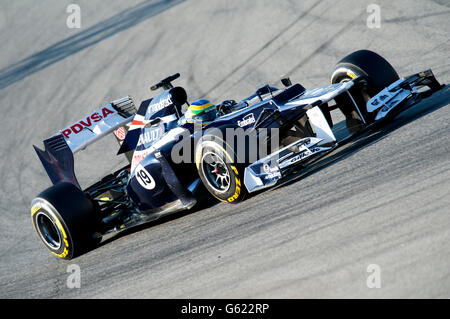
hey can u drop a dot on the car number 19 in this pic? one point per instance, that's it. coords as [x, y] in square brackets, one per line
[144, 178]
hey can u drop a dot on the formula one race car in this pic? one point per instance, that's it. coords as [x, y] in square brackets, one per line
[227, 150]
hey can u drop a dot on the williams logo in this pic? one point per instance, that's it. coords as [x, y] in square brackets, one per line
[247, 120]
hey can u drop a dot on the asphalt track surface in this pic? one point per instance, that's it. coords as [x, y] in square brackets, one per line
[384, 200]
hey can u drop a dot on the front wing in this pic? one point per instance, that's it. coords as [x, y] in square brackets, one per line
[397, 97]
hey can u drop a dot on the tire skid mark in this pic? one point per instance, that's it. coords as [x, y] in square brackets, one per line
[326, 44]
[261, 49]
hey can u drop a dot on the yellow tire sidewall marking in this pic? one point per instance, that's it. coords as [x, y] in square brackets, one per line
[351, 74]
[37, 207]
[237, 191]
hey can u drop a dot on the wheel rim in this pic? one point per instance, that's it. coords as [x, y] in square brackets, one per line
[48, 231]
[216, 172]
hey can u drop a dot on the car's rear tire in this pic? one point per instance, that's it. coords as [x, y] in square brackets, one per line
[65, 220]
[378, 71]
[220, 173]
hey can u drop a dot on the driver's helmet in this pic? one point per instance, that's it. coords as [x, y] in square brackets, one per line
[201, 112]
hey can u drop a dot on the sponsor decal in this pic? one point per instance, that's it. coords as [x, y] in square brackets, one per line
[150, 135]
[247, 120]
[120, 133]
[301, 156]
[267, 169]
[139, 156]
[160, 105]
[87, 122]
[272, 172]
[272, 176]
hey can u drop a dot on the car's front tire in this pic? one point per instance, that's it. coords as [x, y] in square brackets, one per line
[366, 63]
[221, 175]
[378, 74]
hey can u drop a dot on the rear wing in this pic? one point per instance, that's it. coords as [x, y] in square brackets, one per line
[57, 156]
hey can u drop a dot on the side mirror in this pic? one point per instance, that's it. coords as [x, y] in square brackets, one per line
[179, 95]
[266, 89]
[286, 81]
